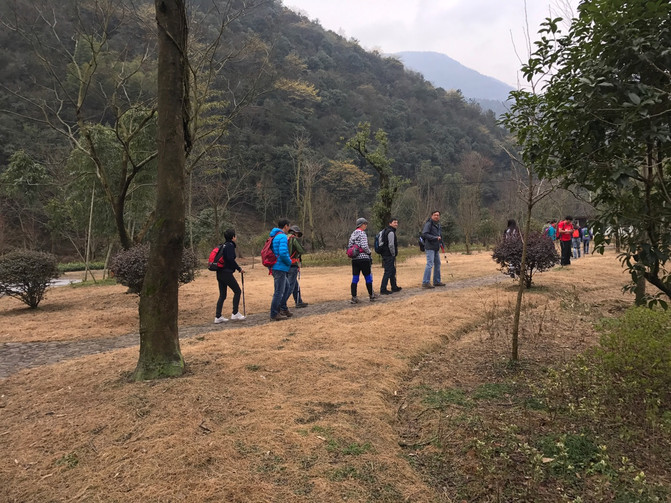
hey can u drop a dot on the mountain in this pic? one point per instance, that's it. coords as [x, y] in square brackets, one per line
[443, 71]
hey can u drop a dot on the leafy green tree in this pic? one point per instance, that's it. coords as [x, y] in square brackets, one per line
[379, 160]
[604, 124]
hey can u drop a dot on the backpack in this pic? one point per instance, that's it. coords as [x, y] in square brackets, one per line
[380, 242]
[420, 242]
[268, 257]
[216, 260]
[576, 233]
[585, 234]
[353, 251]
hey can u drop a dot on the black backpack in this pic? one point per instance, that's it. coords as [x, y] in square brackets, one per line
[381, 244]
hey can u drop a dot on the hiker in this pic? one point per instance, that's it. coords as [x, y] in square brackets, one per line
[512, 231]
[361, 264]
[586, 238]
[551, 230]
[433, 242]
[389, 251]
[280, 271]
[565, 231]
[226, 280]
[296, 251]
[576, 240]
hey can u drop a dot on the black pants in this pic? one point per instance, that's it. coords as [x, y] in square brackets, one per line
[226, 280]
[361, 266]
[565, 252]
[389, 276]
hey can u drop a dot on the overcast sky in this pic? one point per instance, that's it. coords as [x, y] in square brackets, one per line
[477, 33]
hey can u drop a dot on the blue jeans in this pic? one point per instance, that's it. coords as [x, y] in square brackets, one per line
[432, 262]
[576, 247]
[281, 290]
[292, 277]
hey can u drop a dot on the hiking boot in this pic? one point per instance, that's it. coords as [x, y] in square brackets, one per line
[286, 313]
[373, 297]
[220, 319]
[354, 300]
[395, 289]
[238, 317]
[440, 283]
[277, 317]
[301, 304]
[385, 292]
[427, 285]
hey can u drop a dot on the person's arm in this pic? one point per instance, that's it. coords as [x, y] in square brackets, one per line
[362, 241]
[298, 246]
[391, 243]
[283, 248]
[229, 258]
[426, 232]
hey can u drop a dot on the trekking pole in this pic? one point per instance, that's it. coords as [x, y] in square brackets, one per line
[244, 308]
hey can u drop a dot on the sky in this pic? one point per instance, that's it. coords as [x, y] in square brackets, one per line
[488, 36]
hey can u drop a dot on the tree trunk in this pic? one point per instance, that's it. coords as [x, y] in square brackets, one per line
[160, 354]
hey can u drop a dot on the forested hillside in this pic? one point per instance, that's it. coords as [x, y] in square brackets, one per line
[274, 98]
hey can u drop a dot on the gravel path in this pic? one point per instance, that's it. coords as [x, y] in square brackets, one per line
[15, 356]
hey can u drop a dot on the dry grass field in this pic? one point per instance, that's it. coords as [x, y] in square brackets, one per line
[323, 407]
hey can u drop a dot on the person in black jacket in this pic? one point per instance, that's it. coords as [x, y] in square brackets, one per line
[389, 250]
[433, 242]
[226, 267]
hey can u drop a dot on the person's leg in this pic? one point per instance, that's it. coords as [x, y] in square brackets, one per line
[222, 294]
[368, 276]
[292, 275]
[436, 268]
[392, 275]
[280, 284]
[355, 279]
[586, 247]
[565, 252]
[235, 288]
[387, 264]
[426, 280]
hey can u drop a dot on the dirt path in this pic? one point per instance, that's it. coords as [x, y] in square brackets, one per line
[15, 356]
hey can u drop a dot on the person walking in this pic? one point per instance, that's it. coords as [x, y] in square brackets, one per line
[225, 279]
[586, 238]
[389, 245]
[361, 264]
[565, 231]
[433, 242]
[280, 271]
[296, 252]
[576, 240]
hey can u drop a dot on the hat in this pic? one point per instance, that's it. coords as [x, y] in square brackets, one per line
[361, 221]
[296, 230]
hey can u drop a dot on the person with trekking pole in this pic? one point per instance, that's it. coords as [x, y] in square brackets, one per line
[296, 252]
[226, 267]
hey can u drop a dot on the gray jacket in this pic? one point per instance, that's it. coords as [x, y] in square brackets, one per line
[431, 232]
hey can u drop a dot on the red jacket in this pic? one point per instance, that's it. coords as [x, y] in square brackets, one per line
[565, 226]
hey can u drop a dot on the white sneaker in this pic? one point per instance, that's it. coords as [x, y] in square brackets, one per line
[238, 317]
[221, 319]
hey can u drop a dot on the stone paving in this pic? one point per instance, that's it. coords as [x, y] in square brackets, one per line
[15, 356]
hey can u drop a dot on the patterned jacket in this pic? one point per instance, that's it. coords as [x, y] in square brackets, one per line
[359, 238]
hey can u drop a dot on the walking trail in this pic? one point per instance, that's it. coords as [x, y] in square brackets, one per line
[15, 356]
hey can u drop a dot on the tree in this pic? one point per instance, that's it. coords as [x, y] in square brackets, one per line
[540, 256]
[160, 354]
[377, 159]
[605, 124]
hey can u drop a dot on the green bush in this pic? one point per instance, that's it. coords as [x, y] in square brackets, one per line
[130, 266]
[26, 274]
[627, 377]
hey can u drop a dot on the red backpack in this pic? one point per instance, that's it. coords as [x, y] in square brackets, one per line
[216, 260]
[268, 257]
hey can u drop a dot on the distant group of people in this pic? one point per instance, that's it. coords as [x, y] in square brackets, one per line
[572, 237]
[286, 271]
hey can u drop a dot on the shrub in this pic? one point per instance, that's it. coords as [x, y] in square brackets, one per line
[26, 274]
[541, 256]
[130, 266]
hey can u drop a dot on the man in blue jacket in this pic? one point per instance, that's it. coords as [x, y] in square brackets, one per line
[278, 306]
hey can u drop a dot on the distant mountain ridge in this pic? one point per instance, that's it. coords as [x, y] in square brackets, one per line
[443, 71]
